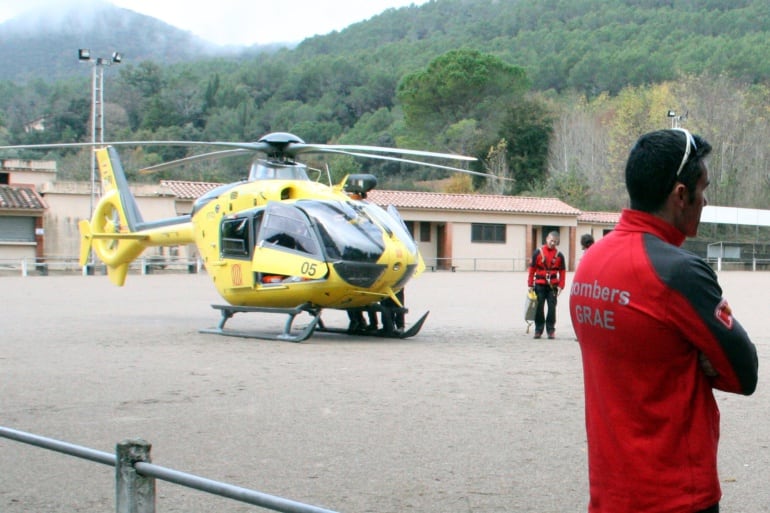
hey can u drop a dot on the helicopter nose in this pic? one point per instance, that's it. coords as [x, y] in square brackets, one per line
[408, 273]
[360, 274]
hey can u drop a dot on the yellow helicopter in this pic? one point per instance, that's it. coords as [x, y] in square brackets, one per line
[277, 242]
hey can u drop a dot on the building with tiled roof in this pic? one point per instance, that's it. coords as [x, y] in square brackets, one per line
[481, 231]
[21, 221]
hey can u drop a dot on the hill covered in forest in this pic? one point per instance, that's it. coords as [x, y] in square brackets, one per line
[550, 94]
[586, 45]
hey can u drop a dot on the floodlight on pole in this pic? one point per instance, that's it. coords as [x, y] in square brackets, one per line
[672, 115]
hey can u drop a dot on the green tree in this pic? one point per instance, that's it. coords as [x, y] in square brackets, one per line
[461, 84]
[138, 86]
[527, 128]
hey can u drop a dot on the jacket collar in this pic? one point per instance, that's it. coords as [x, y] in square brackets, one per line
[638, 221]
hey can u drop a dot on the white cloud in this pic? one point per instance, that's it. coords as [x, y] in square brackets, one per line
[239, 22]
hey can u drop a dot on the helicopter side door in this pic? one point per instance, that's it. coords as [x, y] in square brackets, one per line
[287, 247]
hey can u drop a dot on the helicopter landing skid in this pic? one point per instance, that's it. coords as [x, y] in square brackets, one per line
[298, 336]
[413, 330]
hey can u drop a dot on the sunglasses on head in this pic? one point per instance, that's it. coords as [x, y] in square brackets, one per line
[689, 145]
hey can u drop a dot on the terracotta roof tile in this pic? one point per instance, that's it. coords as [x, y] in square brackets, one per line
[438, 201]
[472, 202]
[20, 197]
[188, 190]
[599, 217]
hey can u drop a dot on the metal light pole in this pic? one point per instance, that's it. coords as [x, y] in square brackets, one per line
[97, 105]
[97, 111]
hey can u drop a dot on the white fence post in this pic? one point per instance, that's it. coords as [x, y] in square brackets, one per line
[133, 493]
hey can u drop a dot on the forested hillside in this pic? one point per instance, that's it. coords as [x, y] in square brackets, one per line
[549, 93]
[591, 46]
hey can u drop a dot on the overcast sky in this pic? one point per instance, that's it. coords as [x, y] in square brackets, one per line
[239, 22]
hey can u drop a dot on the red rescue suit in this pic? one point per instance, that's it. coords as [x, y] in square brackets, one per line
[547, 274]
[547, 268]
[645, 311]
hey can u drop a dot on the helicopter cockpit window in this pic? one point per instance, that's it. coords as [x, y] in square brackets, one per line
[346, 234]
[235, 237]
[262, 170]
[286, 227]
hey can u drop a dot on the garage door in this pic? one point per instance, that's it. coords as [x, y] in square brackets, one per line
[17, 229]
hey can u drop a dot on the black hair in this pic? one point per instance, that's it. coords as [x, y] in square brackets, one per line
[651, 170]
[586, 240]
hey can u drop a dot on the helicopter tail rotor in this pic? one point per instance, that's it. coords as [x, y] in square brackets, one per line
[116, 233]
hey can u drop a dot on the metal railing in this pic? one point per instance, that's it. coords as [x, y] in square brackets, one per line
[521, 264]
[71, 265]
[135, 476]
[475, 264]
[150, 265]
[732, 264]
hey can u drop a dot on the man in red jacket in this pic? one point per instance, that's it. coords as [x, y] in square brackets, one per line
[656, 338]
[547, 274]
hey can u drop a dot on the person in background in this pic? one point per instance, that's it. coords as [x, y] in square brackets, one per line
[586, 241]
[656, 338]
[547, 275]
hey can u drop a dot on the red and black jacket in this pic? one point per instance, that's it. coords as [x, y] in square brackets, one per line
[645, 312]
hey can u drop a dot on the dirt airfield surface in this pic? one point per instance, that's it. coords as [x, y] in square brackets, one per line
[472, 415]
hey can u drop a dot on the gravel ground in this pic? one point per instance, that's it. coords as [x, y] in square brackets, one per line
[472, 415]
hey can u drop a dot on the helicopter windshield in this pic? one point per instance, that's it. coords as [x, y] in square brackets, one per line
[286, 227]
[346, 234]
[392, 222]
[263, 170]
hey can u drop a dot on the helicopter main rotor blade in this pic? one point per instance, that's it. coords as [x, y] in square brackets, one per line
[420, 163]
[334, 148]
[48, 146]
[214, 155]
[256, 146]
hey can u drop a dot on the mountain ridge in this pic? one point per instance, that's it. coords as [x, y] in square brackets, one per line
[50, 40]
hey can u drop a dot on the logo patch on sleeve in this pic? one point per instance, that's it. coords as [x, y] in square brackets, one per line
[724, 314]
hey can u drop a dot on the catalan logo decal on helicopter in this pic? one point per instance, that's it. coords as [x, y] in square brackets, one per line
[278, 242]
[237, 277]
